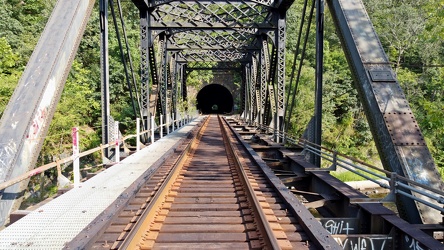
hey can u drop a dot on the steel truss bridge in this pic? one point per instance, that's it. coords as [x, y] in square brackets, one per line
[244, 36]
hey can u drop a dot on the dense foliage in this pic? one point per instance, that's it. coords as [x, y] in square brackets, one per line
[410, 30]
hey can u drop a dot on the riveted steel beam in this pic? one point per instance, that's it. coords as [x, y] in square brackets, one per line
[26, 119]
[397, 136]
[264, 71]
[216, 32]
[144, 64]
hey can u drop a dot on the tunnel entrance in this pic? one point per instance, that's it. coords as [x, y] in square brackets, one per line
[214, 99]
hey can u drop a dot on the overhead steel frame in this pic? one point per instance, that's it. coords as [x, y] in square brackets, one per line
[207, 35]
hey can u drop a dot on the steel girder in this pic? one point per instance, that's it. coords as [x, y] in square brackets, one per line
[26, 119]
[224, 66]
[210, 35]
[244, 92]
[184, 83]
[173, 71]
[144, 67]
[104, 77]
[271, 96]
[163, 73]
[172, 86]
[397, 136]
[253, 80]
[216, 31]
[280, 67]
[265, 64]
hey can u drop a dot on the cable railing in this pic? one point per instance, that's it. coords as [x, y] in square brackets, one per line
[174, 124]
[396, 184]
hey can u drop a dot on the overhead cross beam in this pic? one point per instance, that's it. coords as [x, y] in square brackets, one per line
[210, 35]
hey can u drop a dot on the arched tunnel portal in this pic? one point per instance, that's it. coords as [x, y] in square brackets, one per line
[214, 98]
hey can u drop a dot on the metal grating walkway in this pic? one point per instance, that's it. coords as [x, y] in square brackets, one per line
[60, 220]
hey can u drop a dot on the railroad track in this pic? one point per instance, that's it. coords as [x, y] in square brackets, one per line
[210, 195]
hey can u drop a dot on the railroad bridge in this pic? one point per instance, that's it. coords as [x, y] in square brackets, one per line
[143, 196]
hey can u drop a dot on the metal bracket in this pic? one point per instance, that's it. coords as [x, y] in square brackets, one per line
[382, 76]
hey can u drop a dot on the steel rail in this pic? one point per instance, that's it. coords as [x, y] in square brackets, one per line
[318, 234]
[262, 222]
[145, 220]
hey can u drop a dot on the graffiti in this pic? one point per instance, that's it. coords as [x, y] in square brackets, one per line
[412, 243]
[365, 243]
[37, 123]
[338, 227]
[418, 172]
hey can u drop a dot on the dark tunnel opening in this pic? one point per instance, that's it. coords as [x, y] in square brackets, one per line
[214, 99]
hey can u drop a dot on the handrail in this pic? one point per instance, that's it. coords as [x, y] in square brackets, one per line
[69, 159]
[397, 184]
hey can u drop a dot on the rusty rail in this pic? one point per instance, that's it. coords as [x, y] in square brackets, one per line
[218, 197]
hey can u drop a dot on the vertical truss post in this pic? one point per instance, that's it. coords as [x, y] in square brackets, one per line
[104, 64]
[169, 84]
[248, 108]
[280, 37]
[257, 87]
[184, 86]
[179, 81]
[253, 79]
[318, 85]
[163, 75]
[174, 66]
[181, 85]
[271, 95]
[243, 91]
[265, 65]
[145, 35]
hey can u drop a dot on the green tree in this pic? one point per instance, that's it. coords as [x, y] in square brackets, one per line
[8, 75]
